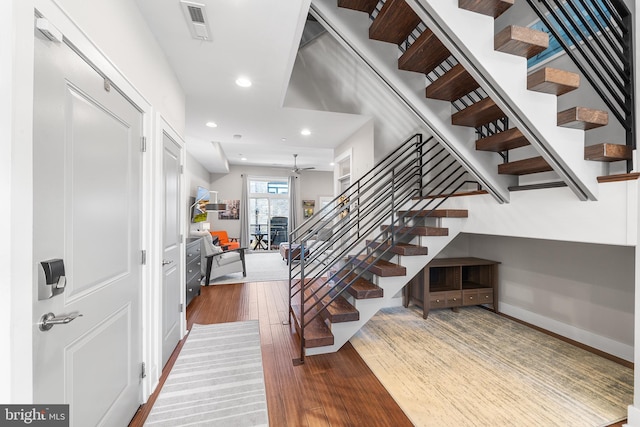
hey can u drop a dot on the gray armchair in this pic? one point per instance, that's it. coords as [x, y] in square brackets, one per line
[216, 262]
[223, 263]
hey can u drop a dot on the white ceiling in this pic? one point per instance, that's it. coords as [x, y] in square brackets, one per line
[259, 40]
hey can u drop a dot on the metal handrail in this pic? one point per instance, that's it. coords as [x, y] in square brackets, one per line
[367, 210]
[604, 57]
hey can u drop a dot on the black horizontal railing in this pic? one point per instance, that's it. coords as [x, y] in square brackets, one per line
[598, 37]
[417, 174]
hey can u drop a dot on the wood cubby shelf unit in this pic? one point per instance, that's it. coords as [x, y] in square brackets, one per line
[453, 283]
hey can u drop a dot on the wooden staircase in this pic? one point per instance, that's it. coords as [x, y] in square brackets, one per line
[339, 317]
[396, 20]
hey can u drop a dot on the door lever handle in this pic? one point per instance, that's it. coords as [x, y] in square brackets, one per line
[49, 320]
[165, 262]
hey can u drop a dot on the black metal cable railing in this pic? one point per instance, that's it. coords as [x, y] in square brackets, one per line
[598, 37]
[368, 210]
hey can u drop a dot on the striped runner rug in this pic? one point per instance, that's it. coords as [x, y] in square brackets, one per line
[217, 380]
[476, 368]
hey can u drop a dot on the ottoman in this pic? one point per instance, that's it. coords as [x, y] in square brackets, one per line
[295, 255]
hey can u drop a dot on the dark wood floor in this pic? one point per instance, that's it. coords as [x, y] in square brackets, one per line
[335, 389]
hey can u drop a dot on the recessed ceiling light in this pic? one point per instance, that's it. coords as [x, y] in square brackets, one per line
[305, 132]
[243, 82]
[332, 164]
[212, 124]
[244, 159]
[283, 139]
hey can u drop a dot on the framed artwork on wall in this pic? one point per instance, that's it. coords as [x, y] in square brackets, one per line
[233, 210]
[308, 208]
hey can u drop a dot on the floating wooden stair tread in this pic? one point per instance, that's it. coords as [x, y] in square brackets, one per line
[607, 152]
[478, 114]
[493, 8]
[339, 310]
[525, 167]
[361, 288]
[521, 41]
[437, 213]
[502, 141]
[424, 55]
[394, 23]
[399, 248]
[418, 230]
[316, 333]
[583, 118]
[380, 267]
[552, 80]
[359, 5]
[454, 84]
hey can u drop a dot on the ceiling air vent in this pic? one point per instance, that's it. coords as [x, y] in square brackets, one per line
[196, 16]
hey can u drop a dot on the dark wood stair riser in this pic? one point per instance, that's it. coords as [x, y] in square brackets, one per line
[380, 267]
[437, 213]
[424, 54]
[582, 118]
[361, 288]
[493, 8]
[454, 84]
[316, 333]
[524, 167]
[606, 152]
[478, 114]
[418, 230]
[339, 310]
[367, 6]
[553, 81]
[400, 248]
[521, 41]
[394, 23]
[502, 141]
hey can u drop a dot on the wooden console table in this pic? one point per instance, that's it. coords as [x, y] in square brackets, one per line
[453, 283]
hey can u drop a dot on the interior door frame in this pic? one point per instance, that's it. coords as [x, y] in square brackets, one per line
[154, 339]
[151, 271]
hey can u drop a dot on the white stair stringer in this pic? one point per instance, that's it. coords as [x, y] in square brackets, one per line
[351, 30]
[342, 332]
[469, 36]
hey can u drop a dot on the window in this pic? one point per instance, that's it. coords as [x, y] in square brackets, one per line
[268, 198]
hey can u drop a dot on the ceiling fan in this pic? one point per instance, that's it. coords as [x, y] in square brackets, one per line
[296, 169]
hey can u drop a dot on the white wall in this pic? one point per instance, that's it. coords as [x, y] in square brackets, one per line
[360, 145]
[327, 77]
[311, 185]
[556, 214]
[582, 291]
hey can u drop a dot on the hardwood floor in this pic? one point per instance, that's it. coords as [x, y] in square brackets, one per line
[335, 389]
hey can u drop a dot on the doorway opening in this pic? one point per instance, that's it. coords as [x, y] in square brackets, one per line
[268, 212]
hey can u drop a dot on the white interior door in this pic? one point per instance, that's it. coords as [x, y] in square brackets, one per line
[87, 201]
[171, 271]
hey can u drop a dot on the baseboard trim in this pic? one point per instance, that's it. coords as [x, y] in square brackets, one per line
[615, 351]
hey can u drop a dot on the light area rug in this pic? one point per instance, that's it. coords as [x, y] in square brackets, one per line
[262, 266]
[217, 380]
[475, 368]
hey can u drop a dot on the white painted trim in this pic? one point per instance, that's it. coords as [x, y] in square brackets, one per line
[152, 295]
[599, 342]
[55, 13]
[633, 416]
[16, 189]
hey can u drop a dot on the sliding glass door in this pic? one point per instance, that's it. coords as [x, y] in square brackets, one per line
[268, 212]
